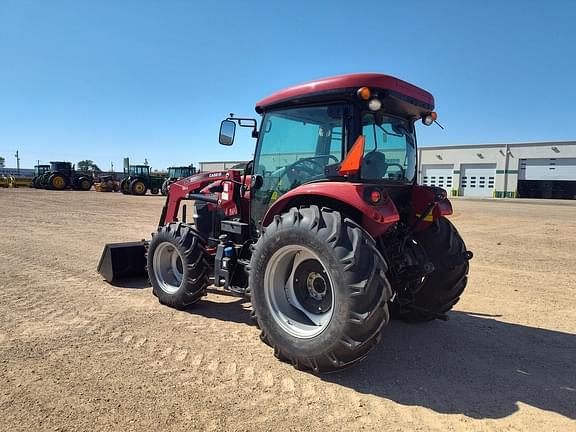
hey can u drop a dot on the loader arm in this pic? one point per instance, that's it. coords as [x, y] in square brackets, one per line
[182, 188]
[197, 185]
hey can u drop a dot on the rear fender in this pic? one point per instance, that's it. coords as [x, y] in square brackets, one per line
[422, 196]
[344, 196]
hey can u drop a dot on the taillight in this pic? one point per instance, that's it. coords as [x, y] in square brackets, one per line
[374, 195]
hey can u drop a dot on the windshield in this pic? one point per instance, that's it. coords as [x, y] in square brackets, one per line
[390, 149]
[139, 170]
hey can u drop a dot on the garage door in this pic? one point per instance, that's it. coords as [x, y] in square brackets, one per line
[547, 169]
[438, 175]
[478, 180]
[547, 178]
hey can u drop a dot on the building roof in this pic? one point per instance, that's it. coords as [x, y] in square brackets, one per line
[517, 144]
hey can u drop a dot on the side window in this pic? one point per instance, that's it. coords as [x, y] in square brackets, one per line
[295, 147]
[389, 152]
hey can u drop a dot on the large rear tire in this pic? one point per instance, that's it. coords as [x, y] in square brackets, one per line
[177, 265]
[57, 182]
[444, 286]
[138, 187]
[318, 288]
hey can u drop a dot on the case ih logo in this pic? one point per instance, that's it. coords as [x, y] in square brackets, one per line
[215, 174]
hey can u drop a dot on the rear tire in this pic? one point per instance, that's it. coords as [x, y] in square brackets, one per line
[325, 309]
[57, 182]
[137, 187]
[444, 286]
[177, 265]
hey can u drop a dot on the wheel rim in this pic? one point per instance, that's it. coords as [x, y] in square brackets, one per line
[168, 268]
[58, 182]
[85, 185]
[139, 187]
[299, 291]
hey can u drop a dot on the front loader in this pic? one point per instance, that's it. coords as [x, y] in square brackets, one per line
[326, 232]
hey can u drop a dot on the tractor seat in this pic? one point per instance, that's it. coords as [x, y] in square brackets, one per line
[374, 165]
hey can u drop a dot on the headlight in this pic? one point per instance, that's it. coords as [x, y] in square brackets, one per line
[374, 104]
[430, 118]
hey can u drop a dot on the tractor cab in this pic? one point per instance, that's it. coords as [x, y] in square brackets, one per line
[40, 169]
[61, 167]
[353, 128]
[139, 171]
[181, 172]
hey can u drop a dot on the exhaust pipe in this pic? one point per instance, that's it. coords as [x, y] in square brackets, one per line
[123, 261]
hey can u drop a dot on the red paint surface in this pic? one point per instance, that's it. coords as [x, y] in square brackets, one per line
[371, 80]
[375, 219]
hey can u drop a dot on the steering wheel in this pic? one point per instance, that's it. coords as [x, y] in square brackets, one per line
[402, 171]
[293, 170]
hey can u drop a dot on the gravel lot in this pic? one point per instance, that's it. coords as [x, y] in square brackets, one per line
[79, 354]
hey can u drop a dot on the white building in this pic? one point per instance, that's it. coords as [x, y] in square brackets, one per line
[526, 170]
[221, 165]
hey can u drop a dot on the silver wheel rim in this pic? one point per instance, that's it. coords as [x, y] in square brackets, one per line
[300, 301]
[168, 268]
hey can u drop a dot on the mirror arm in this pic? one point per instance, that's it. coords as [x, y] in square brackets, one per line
[252, 123]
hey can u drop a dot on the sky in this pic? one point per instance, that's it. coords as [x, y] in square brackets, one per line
[108, 79]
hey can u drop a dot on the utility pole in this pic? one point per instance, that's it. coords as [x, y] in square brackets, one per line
[17, 163]
[112, 167]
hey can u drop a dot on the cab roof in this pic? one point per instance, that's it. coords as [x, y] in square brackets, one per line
[346, 86]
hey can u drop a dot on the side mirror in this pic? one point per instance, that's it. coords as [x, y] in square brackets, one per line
[227, 132]
[257, 182]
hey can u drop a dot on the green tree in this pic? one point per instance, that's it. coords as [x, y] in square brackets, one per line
[88, 165]
[2, 162]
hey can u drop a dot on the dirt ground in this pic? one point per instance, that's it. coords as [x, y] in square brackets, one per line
[79, 354]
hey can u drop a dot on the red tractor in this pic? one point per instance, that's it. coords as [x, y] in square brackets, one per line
[327, 232]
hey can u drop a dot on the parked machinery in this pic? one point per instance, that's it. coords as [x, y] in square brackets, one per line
[327, 232]
[138, 181]
[62, 175]
[107, 183]
[175, 174]
[38, 171]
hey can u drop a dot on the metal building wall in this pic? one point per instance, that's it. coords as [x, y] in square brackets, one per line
[506, 157]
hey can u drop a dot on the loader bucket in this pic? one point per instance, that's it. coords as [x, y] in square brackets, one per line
[123, 260]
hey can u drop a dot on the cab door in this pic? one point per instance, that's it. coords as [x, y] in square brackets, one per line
[295, 147]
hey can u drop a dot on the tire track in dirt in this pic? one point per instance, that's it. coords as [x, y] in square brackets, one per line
[209, 368]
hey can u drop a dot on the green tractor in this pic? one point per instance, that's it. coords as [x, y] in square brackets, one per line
[175, 174]
[138, 181]
[38, 171]
[63, 175]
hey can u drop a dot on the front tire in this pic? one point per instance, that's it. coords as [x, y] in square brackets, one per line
[318, 288]
[85, 184]
[177, 265]
[124, 187]
[164, 188]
